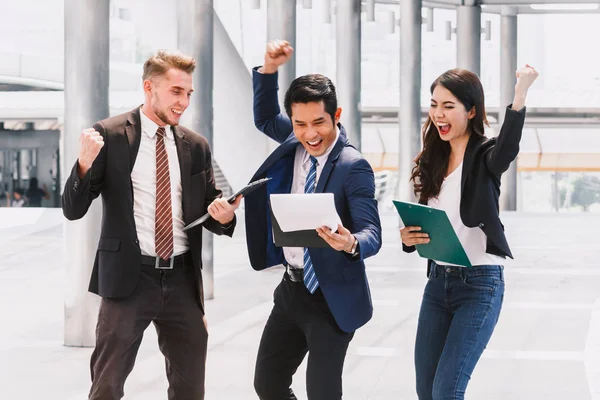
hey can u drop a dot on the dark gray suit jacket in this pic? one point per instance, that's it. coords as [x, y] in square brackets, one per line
[118, 260]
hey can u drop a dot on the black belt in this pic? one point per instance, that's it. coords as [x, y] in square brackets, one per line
[295, 274]
[178, 261]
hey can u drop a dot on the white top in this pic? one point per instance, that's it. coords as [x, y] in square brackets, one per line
[143, 178]
[295, 255]
[473, 240]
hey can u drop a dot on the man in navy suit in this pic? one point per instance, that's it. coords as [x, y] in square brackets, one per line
[324, 295]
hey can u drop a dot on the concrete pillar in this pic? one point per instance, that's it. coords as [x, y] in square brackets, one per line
[195, 36]
[508, 66]
[202, 104]
[45, 162]
[409, 113]
[86, 101]
[281, 25]
[468, 36]
[7, 171]
[348, 63]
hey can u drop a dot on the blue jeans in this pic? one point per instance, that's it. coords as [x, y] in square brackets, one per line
[458, 314]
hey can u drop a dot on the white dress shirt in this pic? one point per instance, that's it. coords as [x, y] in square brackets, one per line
[295, 255]
[473, 240]
[143, 178]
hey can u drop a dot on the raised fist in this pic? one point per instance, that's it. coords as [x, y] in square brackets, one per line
[91, 144]
[278, 53]
[525, 78]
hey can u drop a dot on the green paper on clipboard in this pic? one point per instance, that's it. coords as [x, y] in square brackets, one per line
[444, 244]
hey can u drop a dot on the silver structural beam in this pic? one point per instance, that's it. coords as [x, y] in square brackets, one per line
[468, 37]
[86, 101]
[409, 112]
[494, 2]
[548, 9]
[442, 3]
[526, 2]
[508, 66]
[29, 139]
[576, 114]
[281, 25]
[348, 61]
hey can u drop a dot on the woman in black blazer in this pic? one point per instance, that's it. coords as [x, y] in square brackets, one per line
[458, 171]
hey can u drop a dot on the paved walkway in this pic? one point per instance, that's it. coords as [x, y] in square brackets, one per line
[546, 345]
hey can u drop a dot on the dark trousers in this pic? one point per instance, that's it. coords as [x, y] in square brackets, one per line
[300, 322]
[459, 311]
[168, 299]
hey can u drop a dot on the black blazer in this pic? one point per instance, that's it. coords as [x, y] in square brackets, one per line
[118, 258]
[484, 163]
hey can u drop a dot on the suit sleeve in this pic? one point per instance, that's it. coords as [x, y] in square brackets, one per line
[408, 249]
[506, 148]
[213, 193]
[78, 194]
[360, 192]
[267, 115]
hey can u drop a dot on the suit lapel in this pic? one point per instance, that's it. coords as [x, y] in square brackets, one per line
[331, 160]
[468, 159]
[185, 162]
[133, 131]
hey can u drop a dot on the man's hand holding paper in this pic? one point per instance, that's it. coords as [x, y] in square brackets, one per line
[342, 240]
[303, 218]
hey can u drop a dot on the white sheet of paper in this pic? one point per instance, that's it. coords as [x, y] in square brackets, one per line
[296, 212]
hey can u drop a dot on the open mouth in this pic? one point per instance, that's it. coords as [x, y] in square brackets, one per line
[314, 144]
[443, 127]
[176, 112]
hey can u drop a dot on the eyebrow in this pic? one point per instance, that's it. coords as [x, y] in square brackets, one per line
[320, 119]
[182, 89]
[446, 102]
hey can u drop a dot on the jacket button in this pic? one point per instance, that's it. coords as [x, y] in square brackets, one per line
[137, 241]
[482, 225]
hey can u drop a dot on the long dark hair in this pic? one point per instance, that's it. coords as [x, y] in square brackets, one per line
[432, 162]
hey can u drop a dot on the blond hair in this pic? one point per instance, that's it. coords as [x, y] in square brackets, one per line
[164, 60]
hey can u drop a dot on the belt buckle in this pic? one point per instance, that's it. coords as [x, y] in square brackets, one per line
[157, 263]
[291, 273]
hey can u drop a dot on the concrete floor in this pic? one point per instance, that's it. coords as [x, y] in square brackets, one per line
[546, 345]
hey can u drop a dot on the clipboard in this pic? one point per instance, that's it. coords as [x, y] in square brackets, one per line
[300, 217]
[304, 238]
[246, 190]
[444, 245]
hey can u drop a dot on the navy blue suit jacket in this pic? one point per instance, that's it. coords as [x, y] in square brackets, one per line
[349, 177]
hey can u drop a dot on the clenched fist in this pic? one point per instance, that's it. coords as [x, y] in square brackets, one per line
[91, 144]
[525, 78]
[278, 53]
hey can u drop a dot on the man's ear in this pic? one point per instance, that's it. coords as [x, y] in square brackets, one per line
[147, 85]
[338, 114]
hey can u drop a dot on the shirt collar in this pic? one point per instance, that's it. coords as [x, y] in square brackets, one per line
[323, 157]
[150, 127]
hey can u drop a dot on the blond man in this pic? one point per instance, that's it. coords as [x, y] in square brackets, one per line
[155, 177]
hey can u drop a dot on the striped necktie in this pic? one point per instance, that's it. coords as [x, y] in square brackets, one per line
[163, 223]
[310, 279]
